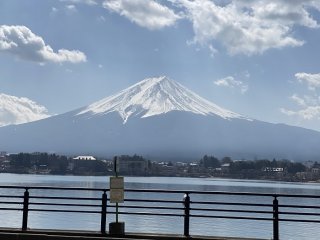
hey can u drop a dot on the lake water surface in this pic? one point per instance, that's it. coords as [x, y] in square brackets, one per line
[151, 224]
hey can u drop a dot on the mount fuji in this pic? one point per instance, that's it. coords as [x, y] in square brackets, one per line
[160, 119]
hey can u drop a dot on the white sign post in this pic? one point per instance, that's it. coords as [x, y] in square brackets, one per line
[116, 190]
[116, 196]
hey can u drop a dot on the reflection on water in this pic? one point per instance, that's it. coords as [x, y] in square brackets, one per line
[198, 226]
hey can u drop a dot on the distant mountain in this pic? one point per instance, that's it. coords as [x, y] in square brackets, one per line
[15, 110]
[160, 119]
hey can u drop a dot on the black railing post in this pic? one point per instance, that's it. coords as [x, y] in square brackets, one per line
[104, 212]
[25, 210]
[275, 219]
[186, 202]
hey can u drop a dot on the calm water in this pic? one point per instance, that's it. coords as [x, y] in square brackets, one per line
[217, 227]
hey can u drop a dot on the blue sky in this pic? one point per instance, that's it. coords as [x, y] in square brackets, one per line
[259, 58]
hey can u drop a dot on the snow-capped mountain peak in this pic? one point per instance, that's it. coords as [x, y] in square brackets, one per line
[15, 110]
[154, 96]
[195, 128]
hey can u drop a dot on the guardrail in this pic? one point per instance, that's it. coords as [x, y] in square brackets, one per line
[182, 204]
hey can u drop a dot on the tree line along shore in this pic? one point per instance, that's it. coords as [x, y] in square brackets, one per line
[207, 166]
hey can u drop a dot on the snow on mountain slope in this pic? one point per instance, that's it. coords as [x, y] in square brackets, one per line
[15, 110]
[155, 96]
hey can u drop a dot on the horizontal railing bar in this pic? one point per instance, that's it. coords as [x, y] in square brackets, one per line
[64, 204]
[300, 213]
[223, 193]
[63, 211]
[152, 200]
[5, 202]
[14, 209]
[201, 192]
[299, 206]
[195, 209]
[64, 198]
[55, 188]
[165, 191]
[148, 214]
[230, 210]
[10, 196]
[13, 187]
[299, 220]
[232, 203]
[231, 217]
[149, 207]
[156, 214]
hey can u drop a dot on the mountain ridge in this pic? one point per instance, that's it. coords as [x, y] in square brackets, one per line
[182, 132]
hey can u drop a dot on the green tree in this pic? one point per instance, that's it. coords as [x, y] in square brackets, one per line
[210, 161]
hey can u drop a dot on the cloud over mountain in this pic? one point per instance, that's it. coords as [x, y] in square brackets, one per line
[309, 105]
[248, 27]
[87, 2]
[149, 14]
[240, 26]
[312, 80]
[15, 110]
[21, 42]
[231, 82]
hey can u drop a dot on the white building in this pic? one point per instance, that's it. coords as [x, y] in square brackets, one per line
[89, 158]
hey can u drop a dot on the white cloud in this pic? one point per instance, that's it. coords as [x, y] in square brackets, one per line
[101, 18]
[230, 82]
[308, 113]
[21, 42]
[15, 110]
[315, 4]
[149, 14]
[312, 80]
[54, 10]
[244, 89]
[225, 82]
[212, 50]
[241, 26]
[248, 26]
[71, 8]
[309, 105]
[286, 12]
[88, 2]
[246, 74]
[300, 101]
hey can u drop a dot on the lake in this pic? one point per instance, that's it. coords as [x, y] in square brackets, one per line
[151, 224]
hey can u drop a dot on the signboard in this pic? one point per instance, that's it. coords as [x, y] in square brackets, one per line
[116, 195]
[116, 189]
[116, 182]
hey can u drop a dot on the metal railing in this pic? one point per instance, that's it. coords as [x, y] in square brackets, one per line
[182, 204]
